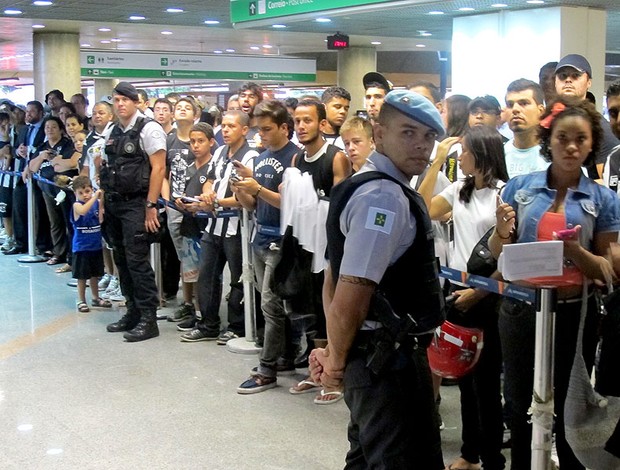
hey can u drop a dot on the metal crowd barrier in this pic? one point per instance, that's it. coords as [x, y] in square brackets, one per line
[545, 300]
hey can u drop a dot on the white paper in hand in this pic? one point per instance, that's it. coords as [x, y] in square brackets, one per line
[527, 260]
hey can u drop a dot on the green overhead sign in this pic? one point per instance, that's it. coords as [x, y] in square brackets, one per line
[164, 66]
[254, 10]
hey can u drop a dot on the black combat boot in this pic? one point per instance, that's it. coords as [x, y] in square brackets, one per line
[126, 323]
[145, 329]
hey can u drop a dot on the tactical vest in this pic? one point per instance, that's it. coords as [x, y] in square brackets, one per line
[411, 284]
[127, 170]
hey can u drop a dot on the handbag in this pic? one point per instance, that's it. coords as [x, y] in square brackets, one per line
[481, 262]
[590, 418]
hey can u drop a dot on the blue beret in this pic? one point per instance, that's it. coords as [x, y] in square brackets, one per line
[417, 107]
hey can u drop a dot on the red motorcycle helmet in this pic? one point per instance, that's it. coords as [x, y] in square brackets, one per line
[455, 350]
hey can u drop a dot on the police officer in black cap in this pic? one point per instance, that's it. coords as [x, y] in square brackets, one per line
[132, 172]
[382, 295]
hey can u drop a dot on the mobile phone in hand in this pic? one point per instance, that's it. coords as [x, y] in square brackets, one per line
[568, 234]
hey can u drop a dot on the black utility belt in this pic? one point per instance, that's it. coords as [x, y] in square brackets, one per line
[364, 340]
[115, 197]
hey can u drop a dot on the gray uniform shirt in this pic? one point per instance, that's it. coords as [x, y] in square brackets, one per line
[377, 223]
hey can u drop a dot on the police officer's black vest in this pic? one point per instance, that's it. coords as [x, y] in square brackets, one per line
[128, 170]
[411, 284]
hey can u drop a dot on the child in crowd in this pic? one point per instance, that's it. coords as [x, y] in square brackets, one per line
[78, 141]
[356, 134]
[86, 218]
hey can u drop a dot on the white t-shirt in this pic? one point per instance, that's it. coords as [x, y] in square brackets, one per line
[523, 161]
[471, 220]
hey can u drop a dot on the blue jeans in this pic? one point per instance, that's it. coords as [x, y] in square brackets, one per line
[517, 326]
[214, 253]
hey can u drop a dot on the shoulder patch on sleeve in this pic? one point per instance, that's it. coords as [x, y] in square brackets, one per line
[380, 220]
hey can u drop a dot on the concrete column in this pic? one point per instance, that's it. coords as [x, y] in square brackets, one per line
[104, 87]
[489, 51]
[353, 64]
[56, 63]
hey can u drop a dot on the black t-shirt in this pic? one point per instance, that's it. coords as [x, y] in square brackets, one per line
[63, 148]
[178, 159]
[268, 171]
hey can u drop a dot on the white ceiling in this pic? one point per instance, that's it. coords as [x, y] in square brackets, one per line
[398, 29]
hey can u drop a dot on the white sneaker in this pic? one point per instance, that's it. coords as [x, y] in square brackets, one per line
[113, 284]
[105, 281]
[117, 295]
[9, 242]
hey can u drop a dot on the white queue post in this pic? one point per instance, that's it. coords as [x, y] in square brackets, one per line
[32, 256]
[542, 399]
[246, 345]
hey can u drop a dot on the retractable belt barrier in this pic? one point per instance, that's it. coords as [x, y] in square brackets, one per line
[541, 408]
[492, 285]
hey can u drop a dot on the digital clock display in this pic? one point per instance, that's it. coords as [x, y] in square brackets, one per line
[337, 41]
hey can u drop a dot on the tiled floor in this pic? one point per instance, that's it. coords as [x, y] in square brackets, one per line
[73, 396]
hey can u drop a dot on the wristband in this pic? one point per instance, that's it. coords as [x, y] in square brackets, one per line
[260, 188]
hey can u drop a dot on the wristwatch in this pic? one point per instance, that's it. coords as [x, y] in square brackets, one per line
[151, 205]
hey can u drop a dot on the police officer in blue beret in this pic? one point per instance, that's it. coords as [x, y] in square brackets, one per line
[382, 296]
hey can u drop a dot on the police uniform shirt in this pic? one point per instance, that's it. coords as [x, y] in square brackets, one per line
[152, 136]
[377, 223]
[178, 159]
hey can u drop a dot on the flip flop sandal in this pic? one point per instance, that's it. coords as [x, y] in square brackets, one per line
[82, 307]
[335, 393]
[53, 260]
[103, 303]
[64, 269]
[305, 386]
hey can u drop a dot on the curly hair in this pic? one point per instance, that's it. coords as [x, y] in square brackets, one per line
[573, 107]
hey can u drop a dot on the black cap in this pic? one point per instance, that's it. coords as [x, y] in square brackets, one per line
[486, 102]
[577, 62]
[126, 89]
[376, 77]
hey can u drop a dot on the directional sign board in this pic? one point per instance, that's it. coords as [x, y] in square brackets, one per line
[253, 10]
[113, 64]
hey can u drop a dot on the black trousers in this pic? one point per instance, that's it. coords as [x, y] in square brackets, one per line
[393, 422]
[517, 326]
[215, 252]
[20, 216]
[481, 397]
[124, 224]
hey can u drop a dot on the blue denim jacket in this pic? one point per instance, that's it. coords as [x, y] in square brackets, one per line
[594, 207]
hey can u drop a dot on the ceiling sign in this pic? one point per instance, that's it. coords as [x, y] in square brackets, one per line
[114, 64]
[255, 12]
